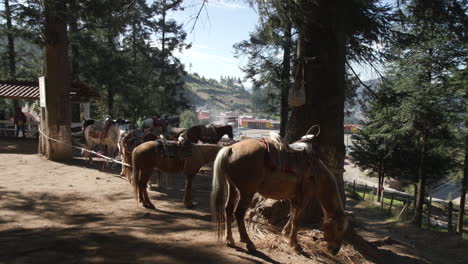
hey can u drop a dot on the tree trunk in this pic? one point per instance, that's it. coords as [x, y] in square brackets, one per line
[11, 48]
[380, 184]
[57, 81]
[418, 213]
[463, 191]
[321, 51]
[109, 84]
[74, 43]
[285, 76]
[11, 42]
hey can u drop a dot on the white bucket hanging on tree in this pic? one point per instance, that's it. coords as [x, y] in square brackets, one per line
[297, 96]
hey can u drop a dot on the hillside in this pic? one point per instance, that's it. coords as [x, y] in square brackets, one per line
[213, 95]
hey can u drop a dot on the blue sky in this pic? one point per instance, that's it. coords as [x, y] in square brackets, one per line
[222, 24]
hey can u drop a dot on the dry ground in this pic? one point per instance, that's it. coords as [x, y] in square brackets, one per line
[69, 213]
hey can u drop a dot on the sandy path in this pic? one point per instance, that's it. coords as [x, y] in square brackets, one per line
[66, 213]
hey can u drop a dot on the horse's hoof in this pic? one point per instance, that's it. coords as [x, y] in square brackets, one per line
[230, 243]
[189, 205]
[298, 249]
[149, 206]
[251, 247]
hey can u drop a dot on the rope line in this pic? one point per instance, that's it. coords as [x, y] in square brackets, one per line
[83, 149]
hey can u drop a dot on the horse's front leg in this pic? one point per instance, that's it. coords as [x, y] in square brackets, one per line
[188, 191]
[287, 228]
[297, 207]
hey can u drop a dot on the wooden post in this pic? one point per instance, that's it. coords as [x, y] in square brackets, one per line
[450, 208]
[381, 199]
[429, 213]
[391, 204]
[364, 193]
[408, 203]
[354, 186]
[372, 194]
[402, 210]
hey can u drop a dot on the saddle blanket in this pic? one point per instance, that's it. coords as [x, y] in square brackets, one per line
[289, 162]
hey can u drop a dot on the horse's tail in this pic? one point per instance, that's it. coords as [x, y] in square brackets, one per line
[136, 175]
[218, 200]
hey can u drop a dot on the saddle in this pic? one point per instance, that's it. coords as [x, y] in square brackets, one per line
[100, 129]
[173, 149]
[290, 159]
[135, 138]
[158, 122]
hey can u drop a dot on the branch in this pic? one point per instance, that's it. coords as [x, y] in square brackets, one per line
[198, 15]
[360, 81]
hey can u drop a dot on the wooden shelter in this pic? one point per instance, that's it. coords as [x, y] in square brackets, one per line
[80, 96]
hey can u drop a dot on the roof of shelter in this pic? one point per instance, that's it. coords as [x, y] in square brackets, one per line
[29, 90]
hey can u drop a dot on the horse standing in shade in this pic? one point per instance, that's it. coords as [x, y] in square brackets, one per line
[187, 159]
[207, 134]
[249, 167]
[165, 123]
[102, 133]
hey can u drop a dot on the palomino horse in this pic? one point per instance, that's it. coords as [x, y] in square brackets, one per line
[185, 159]
[249, 166]
[100, 133]
[207, 134]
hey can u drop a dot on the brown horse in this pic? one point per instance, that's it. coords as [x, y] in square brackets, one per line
[247, 166]
[153, 154]
[128, 143]
[207, 134]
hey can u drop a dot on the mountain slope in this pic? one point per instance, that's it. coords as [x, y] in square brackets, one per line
[216, 96]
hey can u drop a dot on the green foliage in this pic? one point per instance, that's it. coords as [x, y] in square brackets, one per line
[216, 96]
[413, 118]
[113, 51]
[265, 66]
[188, 119]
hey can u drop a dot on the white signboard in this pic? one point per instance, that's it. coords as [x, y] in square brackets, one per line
[42, 95]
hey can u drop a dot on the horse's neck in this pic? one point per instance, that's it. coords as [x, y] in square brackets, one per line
[219, 133]
[328, 192]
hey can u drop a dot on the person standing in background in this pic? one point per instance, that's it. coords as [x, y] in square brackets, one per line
[20, 121]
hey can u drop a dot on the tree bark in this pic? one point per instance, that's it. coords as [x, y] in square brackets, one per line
[11, 42]
[57, 81]
[285, 79]
[73, 43]
[463, 191]
[381, 179]
[321, 53]
[11, 48]
[418, 213]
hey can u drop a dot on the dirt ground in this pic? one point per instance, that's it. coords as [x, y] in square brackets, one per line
[73, 213]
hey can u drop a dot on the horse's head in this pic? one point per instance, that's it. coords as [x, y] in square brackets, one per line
[87, 122]
[229, 132]
[224, 130]
[334, 229]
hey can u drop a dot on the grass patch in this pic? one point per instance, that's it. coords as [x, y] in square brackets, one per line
[386, 200]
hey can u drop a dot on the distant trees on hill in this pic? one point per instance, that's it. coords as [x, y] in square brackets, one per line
[233, 83]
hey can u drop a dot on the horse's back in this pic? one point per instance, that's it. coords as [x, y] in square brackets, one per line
[248, 169]
[246, 161]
